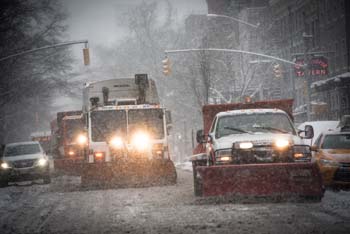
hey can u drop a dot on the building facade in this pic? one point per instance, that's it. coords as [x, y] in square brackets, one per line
[309, 31]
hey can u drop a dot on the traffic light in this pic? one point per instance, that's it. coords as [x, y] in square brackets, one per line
[86, 56]
[277, 70]
[166, 66]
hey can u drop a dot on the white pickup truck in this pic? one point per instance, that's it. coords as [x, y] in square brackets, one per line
[255, 136]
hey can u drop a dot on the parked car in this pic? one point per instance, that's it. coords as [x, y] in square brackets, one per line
[331, 152]
[319, 127]
[23, 161]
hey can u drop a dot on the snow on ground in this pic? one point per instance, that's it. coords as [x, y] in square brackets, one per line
[63, 207]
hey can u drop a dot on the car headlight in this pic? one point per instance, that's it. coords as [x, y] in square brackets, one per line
[302, 151]
[116, 142]
[5, 165]
[141, 141]
[82, 139]
[282, 143]
[327, 162]
[223, 155]
[42, 162]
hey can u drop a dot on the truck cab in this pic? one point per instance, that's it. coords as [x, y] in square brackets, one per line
[126, 131]
[255, 136]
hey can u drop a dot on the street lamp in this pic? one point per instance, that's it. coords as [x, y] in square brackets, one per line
[235, 19]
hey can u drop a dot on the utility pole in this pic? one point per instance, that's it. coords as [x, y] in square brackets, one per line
[307, 75]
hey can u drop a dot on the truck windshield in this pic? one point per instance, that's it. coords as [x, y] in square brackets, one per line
[105, 124]
[149, 120]
[256, 122]
[18, 150]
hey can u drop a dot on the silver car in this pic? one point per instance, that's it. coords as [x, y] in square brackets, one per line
[23, 161]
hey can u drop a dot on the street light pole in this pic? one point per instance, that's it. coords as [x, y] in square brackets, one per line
[307, 75]
[46, 47]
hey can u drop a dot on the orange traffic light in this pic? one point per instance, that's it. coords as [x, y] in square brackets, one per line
[86, 56]
[166, 66]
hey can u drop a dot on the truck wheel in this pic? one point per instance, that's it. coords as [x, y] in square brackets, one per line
[3, 183]
[197, 184]
[47, 179]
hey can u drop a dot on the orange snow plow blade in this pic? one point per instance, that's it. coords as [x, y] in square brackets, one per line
[280, 180]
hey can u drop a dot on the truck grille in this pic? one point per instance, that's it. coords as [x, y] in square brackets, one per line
[23, 163]
[343, 173]
[262, 154]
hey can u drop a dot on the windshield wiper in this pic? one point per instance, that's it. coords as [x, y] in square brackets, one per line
[271, 128]
[236, 129]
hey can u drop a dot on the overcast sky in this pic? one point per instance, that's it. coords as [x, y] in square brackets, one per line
[100, 22]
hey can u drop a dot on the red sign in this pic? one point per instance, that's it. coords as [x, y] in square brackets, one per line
[318, 66]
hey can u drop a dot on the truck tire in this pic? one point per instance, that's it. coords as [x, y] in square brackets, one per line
[3, 183]
[197, 184]
[171, 177]
[47, 179]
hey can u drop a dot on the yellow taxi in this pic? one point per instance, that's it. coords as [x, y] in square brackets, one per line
[331, 152]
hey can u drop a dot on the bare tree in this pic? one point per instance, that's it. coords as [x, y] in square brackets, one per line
[28, 82]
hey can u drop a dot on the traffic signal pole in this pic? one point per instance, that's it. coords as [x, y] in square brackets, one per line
[232, 51]
[86, 54]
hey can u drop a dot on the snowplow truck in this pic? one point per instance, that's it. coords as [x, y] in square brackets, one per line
[127, 134]
[68, 154]
[254, 150]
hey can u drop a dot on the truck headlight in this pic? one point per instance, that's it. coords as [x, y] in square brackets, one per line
[42, 162]
[282, 143]
[141, 141]
[82, 139]
[116, 142]
[5, 165]
[223, 155]
[330, 163]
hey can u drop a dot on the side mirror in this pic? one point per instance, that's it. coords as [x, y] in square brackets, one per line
[200, 137]
[314, 148]
[309, 132]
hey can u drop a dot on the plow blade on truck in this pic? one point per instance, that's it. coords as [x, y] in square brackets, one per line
[269, 180]
[129, 174]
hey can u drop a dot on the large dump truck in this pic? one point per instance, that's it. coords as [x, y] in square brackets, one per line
[127, 134]
[68, 154]
[254, 150]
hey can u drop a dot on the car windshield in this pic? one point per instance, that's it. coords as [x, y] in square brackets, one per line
[251, 123]
[106, 124]
[18, 150]
[341, 141]
[149, 120]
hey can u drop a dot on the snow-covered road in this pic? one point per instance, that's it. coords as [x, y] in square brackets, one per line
[63, 207]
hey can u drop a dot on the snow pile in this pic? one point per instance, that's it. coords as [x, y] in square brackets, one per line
[185, 166]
